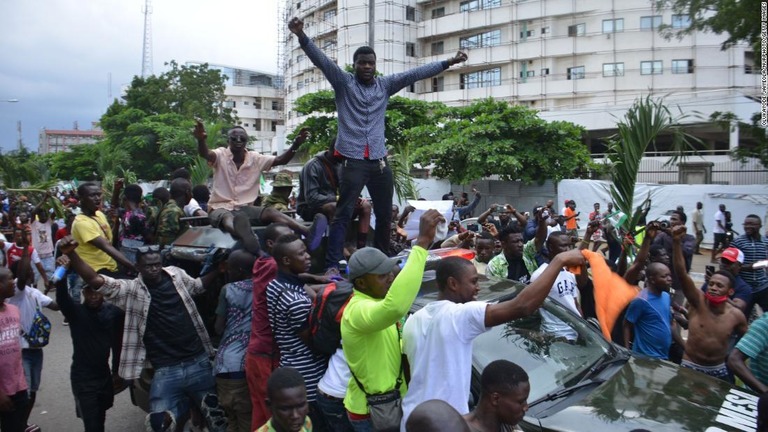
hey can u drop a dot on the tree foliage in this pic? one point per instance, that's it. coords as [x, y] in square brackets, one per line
[19, 166]
[738, 18]
[491, 137]
[149, 132]
[642, 124]
[758, 148]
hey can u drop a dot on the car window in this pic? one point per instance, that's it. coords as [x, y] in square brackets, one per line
[551, 362]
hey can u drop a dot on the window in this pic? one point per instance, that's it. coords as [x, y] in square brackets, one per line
[298, 5]
[613, 25]
[257, 125]
[438, 12]
[682, 66]
[275, 105]
[483, 78]
[613, 69]
[245, 124]
[527, 74]
[299, 85]
[329, 45]
[545, 72]
[545, 30]
[410, 13]
[680, 21]
[330, 14]
[577, 30]
[650, 22]
[299, 58]
[257, 103]
[437, 48]
[245, 102]
[650, 67]
[525, 34]
[274, 126]
[410, 49]
[229, 104]
[487, 39]
[437, 84]
[473, 5]
[576, 72]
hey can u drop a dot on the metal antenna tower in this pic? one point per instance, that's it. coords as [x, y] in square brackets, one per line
[146, 58]
[282, 22]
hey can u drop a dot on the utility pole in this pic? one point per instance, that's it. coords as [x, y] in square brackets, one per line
[146, 58]
[371, 23]
[18, 129]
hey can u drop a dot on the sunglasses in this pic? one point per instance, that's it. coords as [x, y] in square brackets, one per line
[148, 249]
[238, 139]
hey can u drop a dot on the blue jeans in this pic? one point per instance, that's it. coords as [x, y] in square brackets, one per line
[32, 361]
[173, 386]
[334, 412]
[356, 174]
[361, 425]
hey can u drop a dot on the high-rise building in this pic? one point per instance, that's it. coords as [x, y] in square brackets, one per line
[61, 140]
[583, 61]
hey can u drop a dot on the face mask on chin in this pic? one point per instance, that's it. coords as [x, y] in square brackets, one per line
[715, 300]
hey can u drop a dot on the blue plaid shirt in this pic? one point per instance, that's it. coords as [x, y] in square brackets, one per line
[361, 107]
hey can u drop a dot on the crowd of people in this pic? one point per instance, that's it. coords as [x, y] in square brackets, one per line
[279, 366]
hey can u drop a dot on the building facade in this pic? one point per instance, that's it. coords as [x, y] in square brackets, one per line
[60, 140]
[583, 61]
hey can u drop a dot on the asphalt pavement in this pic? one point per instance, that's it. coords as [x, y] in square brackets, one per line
[55, 407]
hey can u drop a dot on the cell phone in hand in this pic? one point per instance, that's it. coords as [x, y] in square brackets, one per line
[709, 271]
[500, 209]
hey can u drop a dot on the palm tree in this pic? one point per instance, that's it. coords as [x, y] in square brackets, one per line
[642, 124]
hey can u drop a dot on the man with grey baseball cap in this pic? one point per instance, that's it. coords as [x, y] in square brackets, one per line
[370, 325]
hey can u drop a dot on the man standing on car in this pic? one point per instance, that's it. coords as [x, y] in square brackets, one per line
[370, 324]
[438, 338]
[361, 101]
[162, 328]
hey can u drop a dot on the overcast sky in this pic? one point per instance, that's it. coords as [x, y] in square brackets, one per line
[56, 55]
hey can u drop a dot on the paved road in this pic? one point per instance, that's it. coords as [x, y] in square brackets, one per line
[55, 407]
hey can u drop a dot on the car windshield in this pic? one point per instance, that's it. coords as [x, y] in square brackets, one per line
[551, 360]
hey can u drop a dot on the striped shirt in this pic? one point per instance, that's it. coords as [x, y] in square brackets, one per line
[361, 107]
[132, 296]
[754, 250]
[288, 306]
[754, 344]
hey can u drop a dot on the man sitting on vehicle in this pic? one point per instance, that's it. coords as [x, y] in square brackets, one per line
[318, 191]
[438, 338]
[711, 318]
[158, 305]
[503, 400]
[282, 186]
[169, 223]
[236, 176]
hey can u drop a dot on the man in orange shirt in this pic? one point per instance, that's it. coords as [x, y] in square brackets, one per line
[571, 216]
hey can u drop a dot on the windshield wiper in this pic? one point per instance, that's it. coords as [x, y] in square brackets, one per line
[605, 361]
[567, 391]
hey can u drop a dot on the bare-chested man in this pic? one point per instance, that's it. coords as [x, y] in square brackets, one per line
[712, 319]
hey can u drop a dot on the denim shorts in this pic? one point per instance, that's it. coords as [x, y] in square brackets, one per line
[173, 386]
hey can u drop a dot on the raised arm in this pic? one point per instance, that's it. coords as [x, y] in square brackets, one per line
[333, 73]
[66, 304]
[288, 154]
[541, 231]
[396, 82]
[67, 245]
[534, 294]
[202, 146]
[462, 211]
[40, 204]
[486, 214]
[375, 316]
[693, 295]
[633, 272]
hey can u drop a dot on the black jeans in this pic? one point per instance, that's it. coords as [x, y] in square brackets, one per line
[356, 174]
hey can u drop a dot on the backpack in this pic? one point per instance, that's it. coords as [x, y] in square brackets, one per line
[325, 317]
[40, 331]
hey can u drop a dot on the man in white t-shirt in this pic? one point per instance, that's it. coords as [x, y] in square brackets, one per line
[719, 232]
[564, 290]
[438, 338]
[42, 241]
